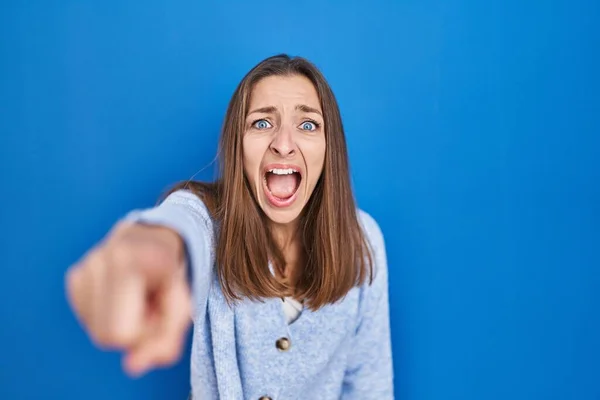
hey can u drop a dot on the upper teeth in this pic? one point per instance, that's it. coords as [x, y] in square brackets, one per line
[282, 171]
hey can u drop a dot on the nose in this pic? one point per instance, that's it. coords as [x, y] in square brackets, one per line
[283, 144]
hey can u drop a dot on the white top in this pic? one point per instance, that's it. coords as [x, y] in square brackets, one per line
[292, 309]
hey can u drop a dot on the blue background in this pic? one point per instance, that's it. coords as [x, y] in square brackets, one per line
[474, 134]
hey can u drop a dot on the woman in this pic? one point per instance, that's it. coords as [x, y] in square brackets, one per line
[289, 294]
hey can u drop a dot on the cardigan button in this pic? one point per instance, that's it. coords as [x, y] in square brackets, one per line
[265, 398]
[283, 344]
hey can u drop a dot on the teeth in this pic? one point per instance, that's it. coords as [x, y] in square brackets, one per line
[282, 171]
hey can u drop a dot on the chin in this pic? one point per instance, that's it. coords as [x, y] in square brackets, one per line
[281, 217]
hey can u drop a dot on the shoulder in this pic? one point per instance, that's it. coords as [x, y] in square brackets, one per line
[185, 211]
[189, 201]
[370, 228]
[373, 293]
[374, 237]
[185, 197]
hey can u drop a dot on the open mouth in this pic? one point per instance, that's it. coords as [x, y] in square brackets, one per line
[281, 185]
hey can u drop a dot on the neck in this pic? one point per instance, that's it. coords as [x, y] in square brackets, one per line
[288, 241]
[285, 235]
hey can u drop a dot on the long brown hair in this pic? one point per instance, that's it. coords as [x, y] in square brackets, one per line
[336, 253]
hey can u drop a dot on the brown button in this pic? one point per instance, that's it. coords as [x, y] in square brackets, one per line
[284, 344]
[265, 398]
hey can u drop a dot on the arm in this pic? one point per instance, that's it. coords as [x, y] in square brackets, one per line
[369, 374]
[184, 213]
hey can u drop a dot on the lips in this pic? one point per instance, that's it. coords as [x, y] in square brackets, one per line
[281, 183]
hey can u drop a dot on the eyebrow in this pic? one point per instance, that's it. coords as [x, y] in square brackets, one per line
[272, 109]
[264, 110]
[307, 109]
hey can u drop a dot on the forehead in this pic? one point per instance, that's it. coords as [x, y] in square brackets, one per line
[274, 90]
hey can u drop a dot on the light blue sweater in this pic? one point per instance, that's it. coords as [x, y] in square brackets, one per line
[341, 351]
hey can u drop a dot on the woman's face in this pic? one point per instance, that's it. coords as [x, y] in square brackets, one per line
[283, 145]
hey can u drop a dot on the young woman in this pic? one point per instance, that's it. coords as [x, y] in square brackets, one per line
[285, 279]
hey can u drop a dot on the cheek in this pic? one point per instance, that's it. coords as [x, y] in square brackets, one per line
[252, 157]
[317, 159]
[247, 154]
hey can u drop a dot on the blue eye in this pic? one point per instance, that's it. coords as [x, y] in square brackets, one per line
[262, 124]
[309, 126]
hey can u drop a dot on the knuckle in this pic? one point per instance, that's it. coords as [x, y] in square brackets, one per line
[72, 281]
[111, 337]
[169, 354]
[99, 338]
[95, 258]
[122, 254]
[75, 293]
[156, 254]
[143, 247]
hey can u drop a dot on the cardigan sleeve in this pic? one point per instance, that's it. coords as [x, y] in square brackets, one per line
[369, 372]
[186, 214]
